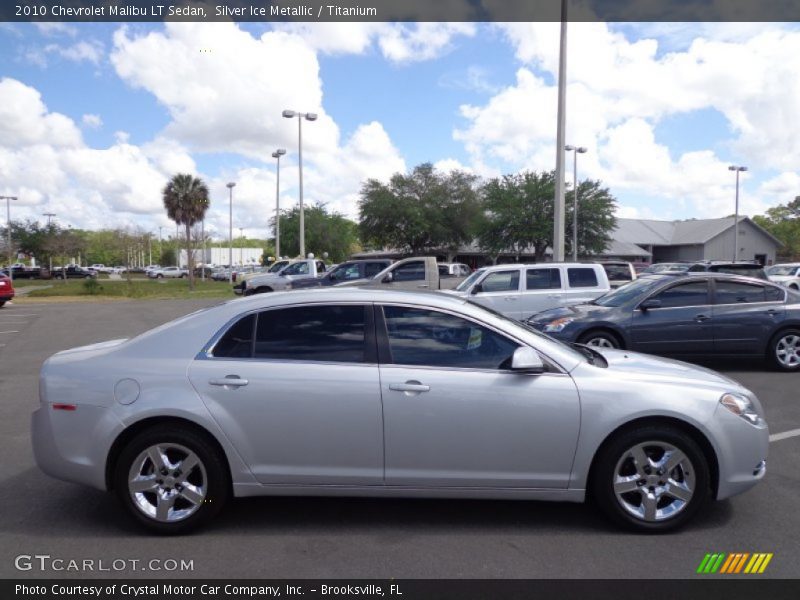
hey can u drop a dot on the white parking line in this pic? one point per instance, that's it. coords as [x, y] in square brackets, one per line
[13, 314]
[776, 437]
[12, 331]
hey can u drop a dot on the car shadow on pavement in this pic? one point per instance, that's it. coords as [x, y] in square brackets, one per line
[50, 508]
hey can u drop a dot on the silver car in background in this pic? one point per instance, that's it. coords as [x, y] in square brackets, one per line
[368, 392]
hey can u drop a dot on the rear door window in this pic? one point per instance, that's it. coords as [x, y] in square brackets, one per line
[542, 279]
[733, 292]
[581, 277]
[237, 342]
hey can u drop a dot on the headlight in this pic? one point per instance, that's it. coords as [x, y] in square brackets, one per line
[557, 325]
[740, 405]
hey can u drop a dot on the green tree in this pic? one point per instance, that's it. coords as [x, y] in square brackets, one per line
[186, 200]
[64, 244]
[783, 221]
[326, 231]
[519, 215]
[421, 212]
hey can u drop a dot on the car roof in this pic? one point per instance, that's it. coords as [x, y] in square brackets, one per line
[704, 275]
[540, 265]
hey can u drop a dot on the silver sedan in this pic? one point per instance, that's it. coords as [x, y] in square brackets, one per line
[364, 392]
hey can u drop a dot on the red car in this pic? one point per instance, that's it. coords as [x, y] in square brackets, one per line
[6, 290]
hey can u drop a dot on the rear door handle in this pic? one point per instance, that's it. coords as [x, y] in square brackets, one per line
[701, 318]
[772, 312]
[229, 381]
[511, 298]
[409, 386]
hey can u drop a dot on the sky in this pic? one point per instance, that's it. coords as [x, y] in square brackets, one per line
[95, 117]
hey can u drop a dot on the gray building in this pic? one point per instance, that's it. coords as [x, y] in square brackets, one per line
[649, 240]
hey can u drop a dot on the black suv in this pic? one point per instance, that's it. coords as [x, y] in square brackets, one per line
[743, 268]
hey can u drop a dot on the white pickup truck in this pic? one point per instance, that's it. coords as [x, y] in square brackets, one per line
[276, 282]
[168, 273]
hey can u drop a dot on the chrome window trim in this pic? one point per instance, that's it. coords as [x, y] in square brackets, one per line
[554, 363]
[490, 273]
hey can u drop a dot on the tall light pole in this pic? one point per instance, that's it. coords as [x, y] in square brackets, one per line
[575, 150]
[241, 245]
[277, 155]
[8, 200]
[738, 170]
[291, 114]
[160, 244]
[561, 125]
[230, 187]
[49, 216]
[203, 237]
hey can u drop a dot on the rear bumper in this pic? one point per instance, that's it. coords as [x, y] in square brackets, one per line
[6, 297]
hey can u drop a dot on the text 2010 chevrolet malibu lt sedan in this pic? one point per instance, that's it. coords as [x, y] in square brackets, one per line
[386, 393]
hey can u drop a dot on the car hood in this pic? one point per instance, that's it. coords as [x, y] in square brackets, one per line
[576, 311]
[648, 367]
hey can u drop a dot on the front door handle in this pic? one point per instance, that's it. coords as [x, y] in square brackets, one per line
[701, 318]
[511, 298]
[772, 312]
[412, 387]
[229, 381]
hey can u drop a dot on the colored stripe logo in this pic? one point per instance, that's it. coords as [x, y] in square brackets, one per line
[735, 563]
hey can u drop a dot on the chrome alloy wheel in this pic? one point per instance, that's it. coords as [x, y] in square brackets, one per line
[601, 342]
[787, 351]
[167, 482]
[654, 481]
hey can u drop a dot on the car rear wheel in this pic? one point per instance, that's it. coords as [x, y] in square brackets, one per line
[652, 479]
[171, 480]
[262, 290]
[184, 276]
[2, 303]
[159, 276]
[784, 350]
[600, 339]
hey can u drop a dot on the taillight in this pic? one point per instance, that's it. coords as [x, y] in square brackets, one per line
[64, 407]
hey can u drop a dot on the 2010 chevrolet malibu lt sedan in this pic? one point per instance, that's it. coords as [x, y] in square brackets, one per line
[365, 392]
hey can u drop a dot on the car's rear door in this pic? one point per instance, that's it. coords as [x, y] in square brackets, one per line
[746, 315]
[455, 416]
[682, 324]
[541, 291]
[296, 390]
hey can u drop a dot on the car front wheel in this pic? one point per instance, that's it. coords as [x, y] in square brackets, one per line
[652, 479]
[171, 480]
[784, 350]
[600, 339]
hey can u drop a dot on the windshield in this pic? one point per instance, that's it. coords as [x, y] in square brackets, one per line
[783, 270]
[467, 283]
[626, 293]
[565, 347]
[617, 272]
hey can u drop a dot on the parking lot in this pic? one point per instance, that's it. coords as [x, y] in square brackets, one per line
[370, 538]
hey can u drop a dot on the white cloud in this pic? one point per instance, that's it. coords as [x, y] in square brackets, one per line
[52, 29]
[92, 121]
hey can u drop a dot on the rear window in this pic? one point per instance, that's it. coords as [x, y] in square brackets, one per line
[618, 272]
[542, 279]
[581, 277]
[745, 271]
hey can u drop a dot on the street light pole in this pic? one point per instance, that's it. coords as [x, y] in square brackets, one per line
[160, 244]
[277, 155]
[8, 200]
[290, 114]
[203, 237]
[49, 216]
[575, 150]
[561, 125]
[738, 169]
[230, 187]
[241, 245]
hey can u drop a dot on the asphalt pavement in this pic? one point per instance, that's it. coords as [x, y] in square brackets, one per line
[356, 538]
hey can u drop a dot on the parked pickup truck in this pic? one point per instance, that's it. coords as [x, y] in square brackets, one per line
[73, 272]
[351, 270]
[20, 271]
[241, 282]
[296, 271]
[419, 272]
[168, 272]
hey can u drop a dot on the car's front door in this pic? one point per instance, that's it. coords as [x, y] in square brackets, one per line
[456, 416]
[681, 324]
[296, 391]
[500, 290]
[745, 316]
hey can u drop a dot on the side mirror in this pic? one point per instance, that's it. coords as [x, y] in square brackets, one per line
[476, 289]
[387, 278]
[526, 360]
[650, 303]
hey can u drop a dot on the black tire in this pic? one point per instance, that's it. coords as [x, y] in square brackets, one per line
[600, 338]
[795, 287]
[184, 276]
[784, 338]
[2, 303]
[262, 290]
[217, 480]
[159, 276]
[87, 277]
[612, 454]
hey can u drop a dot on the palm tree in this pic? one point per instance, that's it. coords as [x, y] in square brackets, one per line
[186, 201]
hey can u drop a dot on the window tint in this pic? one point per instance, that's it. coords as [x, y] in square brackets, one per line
[429, 338]
[326, 333]
[581, 277]
[300, 268]
[238, 340]
[731, 292]
[412, 271]
[372, 269]
[685, 294]
[774, 294]
[345, 272]
[618, 272]
[501, 281]
[542, 279]
[746, 271]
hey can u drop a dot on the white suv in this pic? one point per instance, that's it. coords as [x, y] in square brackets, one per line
[518, 291]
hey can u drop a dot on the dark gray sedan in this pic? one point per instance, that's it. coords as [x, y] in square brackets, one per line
[687, 314]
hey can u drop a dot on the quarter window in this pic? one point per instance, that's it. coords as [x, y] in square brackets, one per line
[686, 294]
[501, 281]
[732, 292]
[543, 279]
[321, 333]
[429, 338]
[238, 340]
[581, 277]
